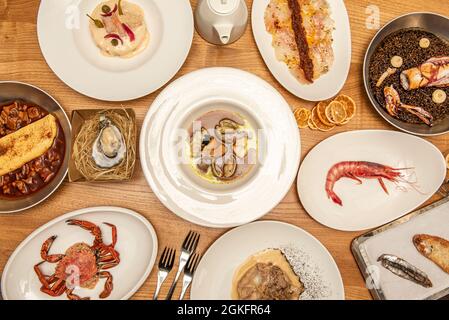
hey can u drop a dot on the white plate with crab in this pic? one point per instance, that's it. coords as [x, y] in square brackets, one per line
[338, 182]
[136, 246]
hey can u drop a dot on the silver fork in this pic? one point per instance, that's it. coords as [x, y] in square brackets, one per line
[188, 273]
[166, 263]
[187, 249]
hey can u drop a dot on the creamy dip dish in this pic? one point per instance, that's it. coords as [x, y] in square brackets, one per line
[118, 28]
[267, 275]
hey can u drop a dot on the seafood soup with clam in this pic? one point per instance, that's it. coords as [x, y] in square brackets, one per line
[223, 147]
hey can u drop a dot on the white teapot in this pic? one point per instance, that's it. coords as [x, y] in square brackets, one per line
[221, 22]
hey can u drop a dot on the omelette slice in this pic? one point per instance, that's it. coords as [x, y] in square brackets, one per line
[302, 36]
[26, 144]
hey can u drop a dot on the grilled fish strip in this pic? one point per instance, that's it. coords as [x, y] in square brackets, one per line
[404, 269]
[305, 61]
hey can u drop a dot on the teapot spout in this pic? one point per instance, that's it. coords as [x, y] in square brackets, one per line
[224, 32]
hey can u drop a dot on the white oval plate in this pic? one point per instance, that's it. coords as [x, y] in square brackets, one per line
[367, 206]
[136, 243]
[213, 277]
[327, 85]
[241, 202]
[66, 43]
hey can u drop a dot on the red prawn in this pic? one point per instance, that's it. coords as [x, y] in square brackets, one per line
[357, 170]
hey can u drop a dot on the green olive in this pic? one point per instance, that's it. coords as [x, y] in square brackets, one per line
[114, 42]
[105, 9]
[97, 22]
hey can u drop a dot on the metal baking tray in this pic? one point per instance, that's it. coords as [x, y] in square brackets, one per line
[364, 249]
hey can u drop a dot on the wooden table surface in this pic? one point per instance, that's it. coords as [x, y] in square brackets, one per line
[21, 60]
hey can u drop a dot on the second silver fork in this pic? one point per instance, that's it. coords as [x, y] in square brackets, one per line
[187, 249]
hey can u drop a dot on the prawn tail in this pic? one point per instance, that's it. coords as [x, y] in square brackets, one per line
[333, 196]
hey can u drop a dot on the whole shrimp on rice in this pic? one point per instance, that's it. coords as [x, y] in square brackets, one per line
[357, 170]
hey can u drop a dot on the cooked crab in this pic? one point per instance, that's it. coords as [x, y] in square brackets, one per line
[81, 265]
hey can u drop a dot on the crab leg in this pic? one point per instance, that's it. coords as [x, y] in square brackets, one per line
[111, 259]
[73, 296]
[46, 247]
[51, 286]
[108, 286]
[89, 226]
[114, 233]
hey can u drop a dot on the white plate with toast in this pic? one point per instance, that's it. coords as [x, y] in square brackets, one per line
[329, 84]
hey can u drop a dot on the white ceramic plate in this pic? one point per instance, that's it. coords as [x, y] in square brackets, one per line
[327, 85]
[66, 43]
[136, 243]
[204, 203]
[368, 206]
[213, 278]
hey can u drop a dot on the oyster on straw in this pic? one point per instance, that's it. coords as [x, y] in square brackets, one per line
[109, 148]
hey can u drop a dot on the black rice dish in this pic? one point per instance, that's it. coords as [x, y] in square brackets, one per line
[405, 43]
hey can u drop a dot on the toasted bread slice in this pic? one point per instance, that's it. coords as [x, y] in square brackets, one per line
[433, 248]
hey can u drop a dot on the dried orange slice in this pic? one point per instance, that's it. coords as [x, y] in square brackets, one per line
[336, 112]
[321, 112]
[349, 104]
[312, 126]
[318, 123]
[302, 116]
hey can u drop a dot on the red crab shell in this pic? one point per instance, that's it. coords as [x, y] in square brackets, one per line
[81, 259]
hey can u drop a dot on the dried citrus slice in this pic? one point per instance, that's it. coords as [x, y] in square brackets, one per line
[312, 126]
[337, 112]
[349, 104]
[302, 116]
[321, 112]
[318, 123]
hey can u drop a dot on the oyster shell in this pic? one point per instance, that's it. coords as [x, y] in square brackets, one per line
[109, 148]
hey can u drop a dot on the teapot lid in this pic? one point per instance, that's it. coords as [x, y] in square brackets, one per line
[224, 6]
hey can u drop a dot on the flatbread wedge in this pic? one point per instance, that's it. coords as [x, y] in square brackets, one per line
[434, 248]
[27, 144]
